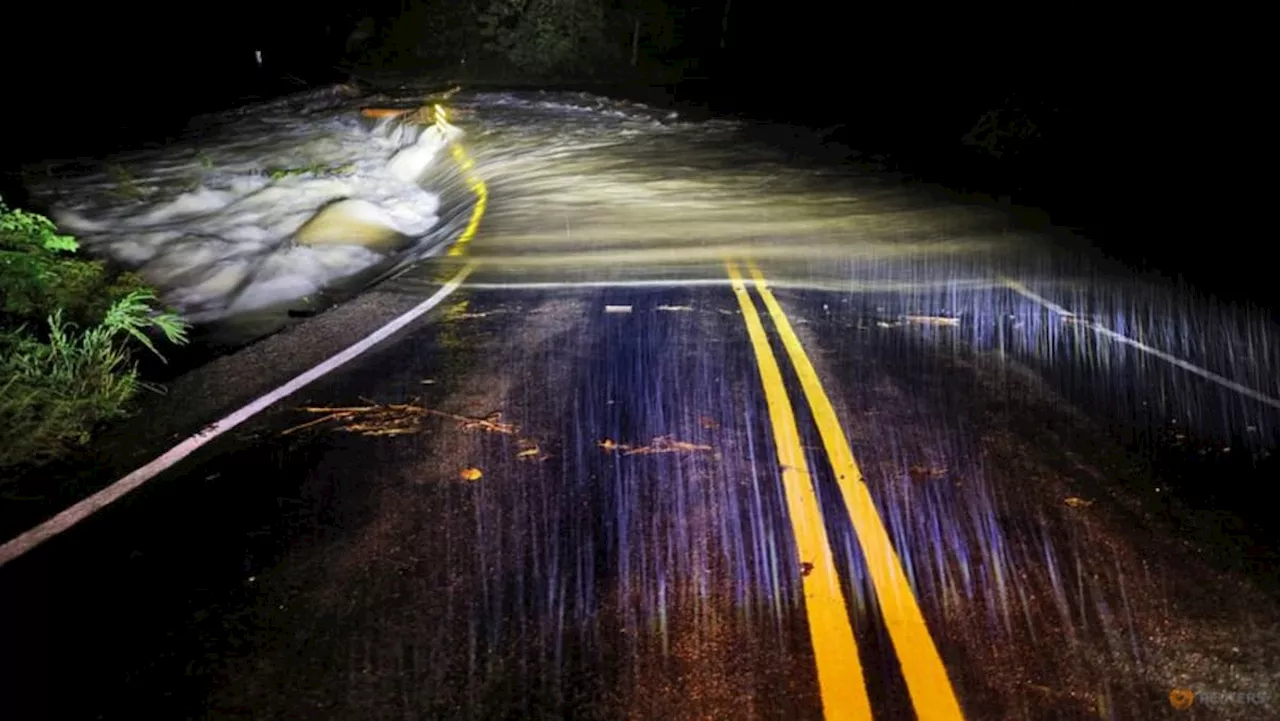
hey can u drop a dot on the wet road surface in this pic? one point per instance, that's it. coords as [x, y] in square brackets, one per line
[715, 447]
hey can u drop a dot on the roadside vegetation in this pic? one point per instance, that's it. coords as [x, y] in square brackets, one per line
[70, 328]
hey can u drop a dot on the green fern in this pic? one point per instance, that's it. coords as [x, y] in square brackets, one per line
[133, 314]
[57, 391]
[58, 383]
[20, 227]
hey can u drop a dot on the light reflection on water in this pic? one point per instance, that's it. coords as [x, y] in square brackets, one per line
[584, 189]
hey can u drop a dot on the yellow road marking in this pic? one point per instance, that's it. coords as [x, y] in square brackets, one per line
[477, 185]
[931, 692]
[840, 680]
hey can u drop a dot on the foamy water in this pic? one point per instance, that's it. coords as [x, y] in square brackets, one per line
[583, 188]
[212, 220]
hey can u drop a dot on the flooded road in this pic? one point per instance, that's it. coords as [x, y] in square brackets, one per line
[710, 429]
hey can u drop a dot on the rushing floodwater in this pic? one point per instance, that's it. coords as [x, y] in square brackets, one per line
[212, 221]
[588, 189]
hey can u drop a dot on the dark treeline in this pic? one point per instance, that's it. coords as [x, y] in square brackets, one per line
[1137, 127]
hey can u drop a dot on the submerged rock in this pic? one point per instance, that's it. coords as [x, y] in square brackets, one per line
[353, 222]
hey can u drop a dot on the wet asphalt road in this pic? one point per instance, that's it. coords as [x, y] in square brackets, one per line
[581, 501]
[331, 574]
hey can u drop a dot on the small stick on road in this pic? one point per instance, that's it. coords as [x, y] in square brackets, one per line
[396, 418]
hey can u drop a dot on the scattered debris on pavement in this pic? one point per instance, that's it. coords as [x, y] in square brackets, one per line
[491, 422]
[925, 473]
[933, 319]
[908, 320]
[530, 451]
[389, 419]
[660, 444]
[392, 419]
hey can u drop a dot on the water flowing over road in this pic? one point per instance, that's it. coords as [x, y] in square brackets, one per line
[721, 422]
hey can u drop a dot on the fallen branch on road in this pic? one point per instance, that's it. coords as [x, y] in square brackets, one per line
[389, 419]
[660, 444]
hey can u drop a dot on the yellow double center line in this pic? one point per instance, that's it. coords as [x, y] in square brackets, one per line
[466, 163]
[840, 678]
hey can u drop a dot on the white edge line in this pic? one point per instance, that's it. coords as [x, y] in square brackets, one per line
[1186, 365]
[72, 515]
[835, 287]
[1026, 292]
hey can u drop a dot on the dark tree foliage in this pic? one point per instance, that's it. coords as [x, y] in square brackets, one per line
[530, 38]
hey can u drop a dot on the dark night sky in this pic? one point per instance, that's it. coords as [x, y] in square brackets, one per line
[105, 50]
[869, 47]
[1152, 80]
[1168, 126]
